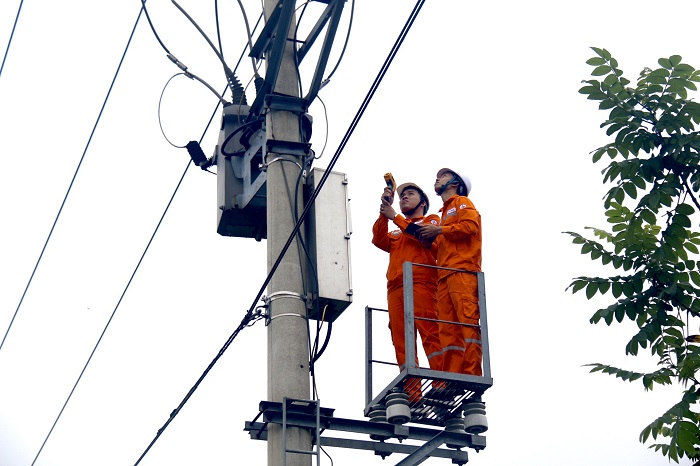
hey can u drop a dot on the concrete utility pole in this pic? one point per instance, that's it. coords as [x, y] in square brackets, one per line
[287, 332]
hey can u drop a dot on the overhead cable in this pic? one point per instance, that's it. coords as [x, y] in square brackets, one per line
[126, 288]
[9, 41]
[77, 169]
[252, 314]
[237, 93]
[56, 220]
[345, 46]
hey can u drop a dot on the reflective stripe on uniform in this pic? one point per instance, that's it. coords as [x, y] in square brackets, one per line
[472, 340]
[453, 348]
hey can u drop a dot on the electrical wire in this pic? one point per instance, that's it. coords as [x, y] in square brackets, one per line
[247, 26]
[181, 65]
[250, 37]
[9, 41]
[75, 174]
[325, 141]
[234, 84]
[126, 288]
[153, 29]
[251, 316]
[249, 321]
[295, 42]
[160, 101]
[326, 453]
[345, 46]
[302, 247]
[121, 61]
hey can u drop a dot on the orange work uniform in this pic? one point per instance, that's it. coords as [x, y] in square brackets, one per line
[402, 248]
[459, 247]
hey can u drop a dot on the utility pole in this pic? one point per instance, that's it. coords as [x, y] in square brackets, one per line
[287, 332]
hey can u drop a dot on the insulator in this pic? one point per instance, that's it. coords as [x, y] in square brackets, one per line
[454, 424]
[237, 90]
[196, 153]
[259, 81]
[397, 409]
[378, 414]
[475, 421]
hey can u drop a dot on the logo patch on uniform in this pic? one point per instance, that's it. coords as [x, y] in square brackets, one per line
[463, 206]
[434, 222]
[451, 211]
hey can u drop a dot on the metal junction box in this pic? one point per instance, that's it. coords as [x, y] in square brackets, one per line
[328, 230]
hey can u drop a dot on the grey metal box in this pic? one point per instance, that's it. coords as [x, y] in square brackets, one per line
[328, 231]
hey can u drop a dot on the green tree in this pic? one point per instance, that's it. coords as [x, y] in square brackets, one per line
[654, 173]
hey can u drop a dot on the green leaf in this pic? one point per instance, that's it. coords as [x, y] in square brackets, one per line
[591, 290]
[648, 216]
[675, 60]
[601, 70]
[685, 209]
[580, 284]
[656, 79]
[620, 313]
[588, 89]
[666, 63]
[682, 220]
[596, 61]
[617, 288]
[630, 189]
[601, 52]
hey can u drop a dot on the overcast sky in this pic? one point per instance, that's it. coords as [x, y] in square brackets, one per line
[489, 89]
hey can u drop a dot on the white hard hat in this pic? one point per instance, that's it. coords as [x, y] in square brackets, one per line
[464, 181]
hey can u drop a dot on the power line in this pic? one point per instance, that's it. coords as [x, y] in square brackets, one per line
[77, 169]
[99, 340]
[9, 41]
[253, 313]
[54, 225]
[143, 10]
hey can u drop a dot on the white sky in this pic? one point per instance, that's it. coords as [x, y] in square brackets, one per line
[487, 88]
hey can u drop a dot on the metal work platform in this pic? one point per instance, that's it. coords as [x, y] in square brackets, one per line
[443, 393]
[443, 396]
[301, 415]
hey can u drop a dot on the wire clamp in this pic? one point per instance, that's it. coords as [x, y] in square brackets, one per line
[280, 158]
[283, 294]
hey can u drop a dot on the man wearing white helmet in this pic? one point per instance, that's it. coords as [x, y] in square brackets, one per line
[402, 247]
[457, 242]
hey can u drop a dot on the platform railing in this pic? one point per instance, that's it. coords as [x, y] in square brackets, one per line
[434, 406]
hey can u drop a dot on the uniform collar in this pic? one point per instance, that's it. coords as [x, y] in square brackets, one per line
[448, 201]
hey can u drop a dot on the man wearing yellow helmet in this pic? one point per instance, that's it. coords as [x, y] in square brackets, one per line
[404, 247]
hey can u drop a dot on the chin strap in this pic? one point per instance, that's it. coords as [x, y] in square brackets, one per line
[412, 211]
[444, 186]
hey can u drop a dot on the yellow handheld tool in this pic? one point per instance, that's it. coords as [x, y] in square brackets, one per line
[390, 183]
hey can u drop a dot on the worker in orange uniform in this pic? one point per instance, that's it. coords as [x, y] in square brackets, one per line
[457, 242]
[405, 247]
